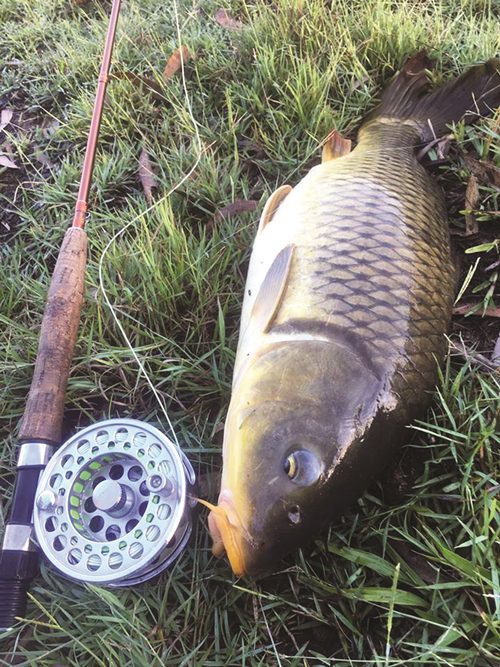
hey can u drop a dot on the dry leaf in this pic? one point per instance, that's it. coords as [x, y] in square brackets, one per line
[237, 206]
[175, 61]
[142, 82]
[465, 308]
[227, 21]
[147, 176]
[484, 170]
[471, 200]
[6, 162]
[5, 118]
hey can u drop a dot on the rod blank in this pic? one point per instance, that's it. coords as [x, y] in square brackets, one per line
[88, 162]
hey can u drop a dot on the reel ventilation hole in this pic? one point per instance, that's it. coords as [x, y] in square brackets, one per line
[112, 505]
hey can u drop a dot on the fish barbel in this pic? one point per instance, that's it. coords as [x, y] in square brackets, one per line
[348, 298]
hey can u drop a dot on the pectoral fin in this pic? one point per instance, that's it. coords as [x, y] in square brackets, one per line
[335, 146]
[271, 291]
[272, 205]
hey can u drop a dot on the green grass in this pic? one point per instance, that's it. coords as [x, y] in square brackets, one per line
[410, 575]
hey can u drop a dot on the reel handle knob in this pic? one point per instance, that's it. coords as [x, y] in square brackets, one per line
[159, 483]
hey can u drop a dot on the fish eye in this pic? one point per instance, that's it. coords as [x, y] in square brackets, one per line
[290, 466]
[302, 467]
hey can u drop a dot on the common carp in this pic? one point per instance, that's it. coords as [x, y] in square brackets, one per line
[348, 298]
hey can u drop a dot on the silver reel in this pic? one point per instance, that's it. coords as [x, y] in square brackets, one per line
[113, 505]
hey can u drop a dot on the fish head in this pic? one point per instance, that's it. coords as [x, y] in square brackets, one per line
[293, 412]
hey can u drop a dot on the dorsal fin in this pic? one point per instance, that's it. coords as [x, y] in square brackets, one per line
[271, 291]
[335, 146]
[272, 205]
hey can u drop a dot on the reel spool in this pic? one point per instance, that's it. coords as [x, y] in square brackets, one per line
[113, 506]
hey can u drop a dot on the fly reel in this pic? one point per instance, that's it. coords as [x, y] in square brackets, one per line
[113, 506]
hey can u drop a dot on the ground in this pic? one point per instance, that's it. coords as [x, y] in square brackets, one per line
[410, 574]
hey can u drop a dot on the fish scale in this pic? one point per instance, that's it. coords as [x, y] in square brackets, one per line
[371, 260]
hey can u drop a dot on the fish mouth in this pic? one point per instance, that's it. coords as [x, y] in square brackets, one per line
[227, 533]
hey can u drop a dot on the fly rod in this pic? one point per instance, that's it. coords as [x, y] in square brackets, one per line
[41, 426]
[90, 494]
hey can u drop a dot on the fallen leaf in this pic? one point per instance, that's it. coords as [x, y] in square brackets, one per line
[225, 19]
[147, 176]
[236, 207]
[6, 162]
[175, 61]
[471, 200]
[5, 118]
[465, 309]
[485, 171]
[142, 82]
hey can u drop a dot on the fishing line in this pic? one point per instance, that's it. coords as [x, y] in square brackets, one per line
[148, 210]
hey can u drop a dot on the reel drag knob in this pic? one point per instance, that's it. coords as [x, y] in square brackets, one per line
[112, 505]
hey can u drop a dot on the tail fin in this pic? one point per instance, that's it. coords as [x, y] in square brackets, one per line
[407, 98]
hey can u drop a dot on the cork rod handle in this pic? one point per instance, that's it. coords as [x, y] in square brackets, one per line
[43, 415]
